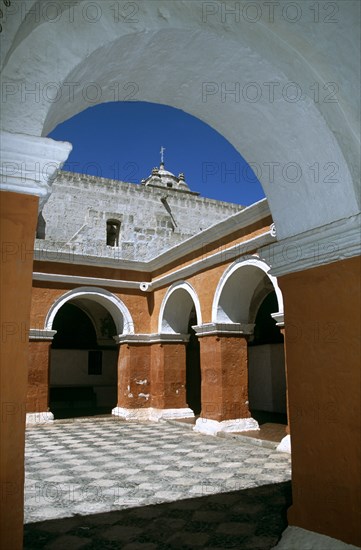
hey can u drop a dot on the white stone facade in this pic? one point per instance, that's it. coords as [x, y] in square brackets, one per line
[152, 218]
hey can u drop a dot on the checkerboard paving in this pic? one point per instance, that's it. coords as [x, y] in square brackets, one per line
[75, 469]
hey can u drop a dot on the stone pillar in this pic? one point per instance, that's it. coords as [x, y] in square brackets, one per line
[151, 377]
[37, 405]
[224, 368]
[168, 377]
[27, 166]
[134, 398]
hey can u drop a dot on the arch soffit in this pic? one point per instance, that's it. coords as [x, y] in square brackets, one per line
[187, 287]
[254, 262]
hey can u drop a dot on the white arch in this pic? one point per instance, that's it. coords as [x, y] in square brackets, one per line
[175, 308]
[70, 66]
[250, 281]
[117, 309]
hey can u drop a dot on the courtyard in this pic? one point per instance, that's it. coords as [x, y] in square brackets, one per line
[104, 483]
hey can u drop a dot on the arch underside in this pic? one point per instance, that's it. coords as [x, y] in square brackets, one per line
[223, 73]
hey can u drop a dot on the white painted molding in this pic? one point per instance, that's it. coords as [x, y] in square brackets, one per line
[224, 329]
[241, 263]
[41, 334]
[224, 255]
[29, 164]
[156, 338]
[285, 445]
[152, 414]
[321, 246]
[296, 538]
[279, 317]
[117, 309]
[145, 267]
[80, 280]
[39, 418]
[212, 427]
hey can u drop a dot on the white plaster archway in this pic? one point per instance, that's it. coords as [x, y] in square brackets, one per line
[234, 292]
[176, 307]
[193, 58]
[117, 309]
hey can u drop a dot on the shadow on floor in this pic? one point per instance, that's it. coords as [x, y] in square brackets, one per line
[265, 417]
[251, 519]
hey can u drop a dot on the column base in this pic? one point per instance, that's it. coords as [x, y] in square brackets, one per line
[285, 445]
[212, 427]
[39, 418]
[295, 537]
[152, 414]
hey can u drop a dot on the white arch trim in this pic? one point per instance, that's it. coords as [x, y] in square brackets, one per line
[177, 286]
[238, 264]
[117, 309]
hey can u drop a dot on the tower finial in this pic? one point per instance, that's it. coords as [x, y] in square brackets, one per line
[162, 149]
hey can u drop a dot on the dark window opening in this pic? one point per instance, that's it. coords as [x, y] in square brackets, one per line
[113, 229]
[40, 229]
[95, 365]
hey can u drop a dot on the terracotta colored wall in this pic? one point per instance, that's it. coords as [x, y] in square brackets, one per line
[168, 376]
[18, 223]
[322, 322]
[224, 377]
[38, 380]
[44, 296]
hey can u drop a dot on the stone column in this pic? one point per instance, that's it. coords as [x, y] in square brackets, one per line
[224, 368]
[28, 165]
[168, 377]
[37, 402]
[151, 377]
[134, 398]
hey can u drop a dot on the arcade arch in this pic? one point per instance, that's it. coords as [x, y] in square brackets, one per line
[180, 311]
[84, 352]
[247, 294]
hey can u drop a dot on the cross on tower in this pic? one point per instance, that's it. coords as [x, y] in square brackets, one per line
[162, 149]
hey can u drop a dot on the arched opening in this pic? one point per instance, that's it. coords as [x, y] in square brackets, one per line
[266, 366]
[247, 294]
[180, 311]
[83, 363]
[193, 367]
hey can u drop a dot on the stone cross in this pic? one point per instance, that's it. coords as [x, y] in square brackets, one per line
[162, 149]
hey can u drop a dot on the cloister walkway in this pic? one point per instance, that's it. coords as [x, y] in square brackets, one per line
[103, 483]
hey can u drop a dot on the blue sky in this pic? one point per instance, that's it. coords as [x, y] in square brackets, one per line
[122, 140]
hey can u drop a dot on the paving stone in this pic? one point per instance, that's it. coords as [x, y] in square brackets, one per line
[118, 490]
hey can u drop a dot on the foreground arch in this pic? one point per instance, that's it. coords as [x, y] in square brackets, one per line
[305, 148]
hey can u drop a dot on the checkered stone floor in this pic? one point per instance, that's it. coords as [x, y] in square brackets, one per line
[76, 469]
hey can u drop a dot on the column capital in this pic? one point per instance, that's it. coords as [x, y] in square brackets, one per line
[157, 338]
[224, 329]
[279, 318]
[41, 334]
[29, 164]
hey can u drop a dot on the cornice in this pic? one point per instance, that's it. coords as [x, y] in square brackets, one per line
[337, 241]
[41, 334]
[162, 338]
[29, 164]
[224, 329]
